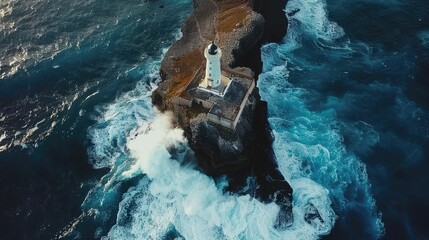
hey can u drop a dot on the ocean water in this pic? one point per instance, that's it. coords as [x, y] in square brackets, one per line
[348, 104]
[84, 154]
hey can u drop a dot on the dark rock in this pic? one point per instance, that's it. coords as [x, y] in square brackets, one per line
[293, 12]
[312, 214]
[275, 18]
[224, 150]
[275, 28]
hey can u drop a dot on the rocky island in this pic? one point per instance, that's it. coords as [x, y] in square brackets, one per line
[240, 149]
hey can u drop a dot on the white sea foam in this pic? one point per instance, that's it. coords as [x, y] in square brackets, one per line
[116, 120]
[173, 195]
[308, 146]
[312, 19]
[6, 7]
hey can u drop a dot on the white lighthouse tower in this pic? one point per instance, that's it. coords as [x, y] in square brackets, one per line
[213, 72]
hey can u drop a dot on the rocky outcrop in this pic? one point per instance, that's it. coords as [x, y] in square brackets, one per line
[239, 31]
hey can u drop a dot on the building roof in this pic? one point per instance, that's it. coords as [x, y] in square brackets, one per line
[227, 106]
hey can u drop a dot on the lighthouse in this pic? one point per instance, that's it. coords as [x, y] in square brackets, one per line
[213, 71]
[213, 81]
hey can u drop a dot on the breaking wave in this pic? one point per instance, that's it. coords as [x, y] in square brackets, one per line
[173, 196]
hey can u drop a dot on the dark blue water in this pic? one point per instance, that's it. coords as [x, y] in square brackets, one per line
[60, 61]
[348, 103]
